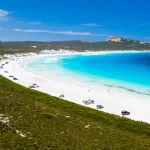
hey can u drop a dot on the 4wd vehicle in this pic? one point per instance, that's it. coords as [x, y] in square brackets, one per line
[124, 112]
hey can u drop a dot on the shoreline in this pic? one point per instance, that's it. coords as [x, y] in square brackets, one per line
[113, 100]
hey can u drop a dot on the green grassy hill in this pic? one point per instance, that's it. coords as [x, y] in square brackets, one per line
[36, 121]
[124, 44]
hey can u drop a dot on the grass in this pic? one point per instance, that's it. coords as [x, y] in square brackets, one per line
[48, 115]
[49, 123]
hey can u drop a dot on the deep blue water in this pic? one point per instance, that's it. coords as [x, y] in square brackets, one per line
[122, 68]
[128, 67]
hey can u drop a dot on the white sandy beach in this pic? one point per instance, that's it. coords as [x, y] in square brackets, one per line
[113, 99]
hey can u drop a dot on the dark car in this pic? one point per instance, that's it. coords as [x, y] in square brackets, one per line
[11, 76]
[62, 96]
[99, 106]
[31, 86]
[124, 112]
[15, 78]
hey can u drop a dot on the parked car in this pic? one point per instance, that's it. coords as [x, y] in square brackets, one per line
[62, 96]
[86, 102]
[31, 86]
[99, 106]
[11, 76]
[89, 101]
[124, 112]
[15, 78]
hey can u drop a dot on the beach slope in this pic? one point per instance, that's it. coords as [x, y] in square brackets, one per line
[33, 120]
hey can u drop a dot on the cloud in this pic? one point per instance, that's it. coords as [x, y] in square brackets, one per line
[71, 32]
[29, 22]
[91, 25]
[54, 32]
[3, 14]
[33, 31]
[60, 32]
[4, 29]
[34, 23]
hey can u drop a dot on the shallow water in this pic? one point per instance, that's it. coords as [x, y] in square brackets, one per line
[130, 71]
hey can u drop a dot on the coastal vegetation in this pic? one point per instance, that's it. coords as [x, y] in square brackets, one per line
[111, 44]
[34, 120]
[13, 51]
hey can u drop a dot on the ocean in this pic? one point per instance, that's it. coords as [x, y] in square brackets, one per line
[128, 71]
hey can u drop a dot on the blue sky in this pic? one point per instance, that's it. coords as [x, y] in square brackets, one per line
[93, 20]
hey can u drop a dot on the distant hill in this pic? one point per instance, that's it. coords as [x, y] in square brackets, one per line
[113, 43]
[125, 41]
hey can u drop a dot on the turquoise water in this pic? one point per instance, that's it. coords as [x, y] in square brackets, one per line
[123, 70]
